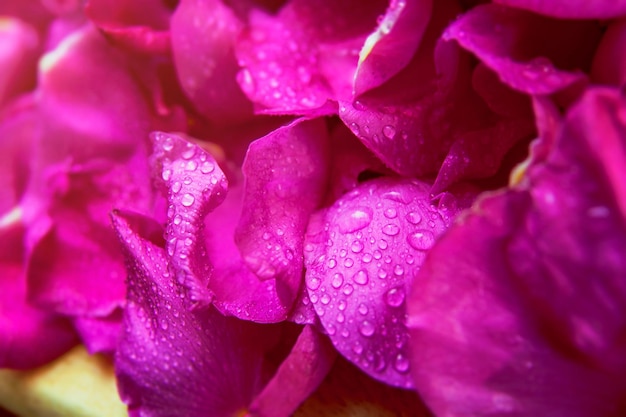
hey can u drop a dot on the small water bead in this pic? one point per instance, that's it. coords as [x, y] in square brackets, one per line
[345, 333]
[391, 229]
[361, 277]
[167, 174]
[191, 165]
[164, 324]
[314, 298]
[377, 254]
[355, 220]
[187, 180]
[421, 239]
[398, 270]
[363, 309]
[348, 262]
[383, 244]
[207, 167]
[313, 283]
[325, 299]
[366, 328]
[342, 305]
[389, 131]
[367, 258]
[176, 186]
[337, 280]
[341, 318]
[187, 200]
[414, 217]
[189, 152]
[356, 246]
[331, 329]
[348, 289]
[332, 262]
[168, 144]
[401, 364]
[394, 297]
[357, 348]
[391, 213]
[382, 274]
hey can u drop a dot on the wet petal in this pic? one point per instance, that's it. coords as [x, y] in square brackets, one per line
[391, 46]
[203, 38]
[194, 185]
[530, 53]
[18, 57]
[361, 255]
[529, 321]
[577, 9]
[318, 61]
[286, 171]
[298, 376]
[164, 345]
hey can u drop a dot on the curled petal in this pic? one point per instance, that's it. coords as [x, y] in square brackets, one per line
[164, 345]
[609, 63]
[194, 185]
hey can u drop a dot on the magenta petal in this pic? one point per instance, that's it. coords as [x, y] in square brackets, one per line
[360, 259]
[24, 329]
[297, 377]
[100, 334]
[203, 38]
[519, 310]
[18, 57]
[194, 185]
[317, 62]
[522, 47]
[572, 9]
[609, 63]
[165, 346]
[392, 45]
[285, 179]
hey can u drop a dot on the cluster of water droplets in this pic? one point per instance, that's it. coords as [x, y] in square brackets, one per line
[376, 239]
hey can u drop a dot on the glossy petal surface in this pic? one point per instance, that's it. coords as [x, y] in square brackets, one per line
[165, 345]
[530, 321]
[577, 9]
[362, 253]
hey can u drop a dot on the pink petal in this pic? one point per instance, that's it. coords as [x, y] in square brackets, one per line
[165, 346]
[203, 38]
[518, 310]
[297, 377]
[362, 253]
[392, 45]
[572, 9]
[18, 57]
[526, 50]
[318, 61]
[609, 63]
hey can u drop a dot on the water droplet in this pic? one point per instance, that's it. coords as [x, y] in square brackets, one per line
[355, 220]
[361, 277]
[378, 254]
[413, 217]
[348, 262]
[342, 305]
[382, 274]
[313, 283]
[356, 246]
[401, 364]
[187, 200]
[367, 258]
[341, 318]
[382, 243]
[332, 262]
[391, 229]
[189, 152]
[164, 325]
[394, 297]
[337, 280]
[348, 289]
[166, 175]
[355, 129]
[266, 236]
[391, 213]
[389, 131]
[421, 240]
[168, 144]
[398, 197]
[207, 167]
[363, 309]
[366, 328]
[357, 348]
[398, 270]
[325, 299]
[176, 187]
[191, 166]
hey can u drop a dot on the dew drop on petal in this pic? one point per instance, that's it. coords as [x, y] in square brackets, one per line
[361, 277]
[366, 328]
[394, 297]
[391, 229]
[337, 280]
[355, 220]
[421, 240]
[187, 200]
[401, 364]
[413, 217]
